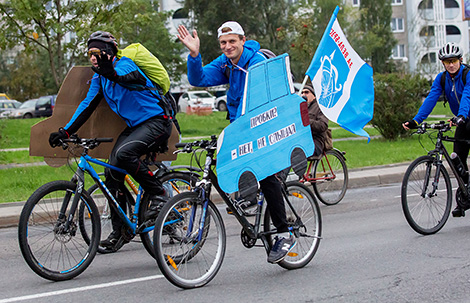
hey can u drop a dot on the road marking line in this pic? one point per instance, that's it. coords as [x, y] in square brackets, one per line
[78, 289]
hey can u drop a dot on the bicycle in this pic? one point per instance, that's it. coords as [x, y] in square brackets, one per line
[189, 235]
[174, 180]
[55, 240]
[426, 191]
[328, 175]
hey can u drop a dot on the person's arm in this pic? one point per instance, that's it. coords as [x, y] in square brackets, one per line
[464, 108]
[211, 74]
[119, 75]
[319, 124]
[86, 107]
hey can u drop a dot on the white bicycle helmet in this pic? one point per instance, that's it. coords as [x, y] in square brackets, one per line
[450, 50]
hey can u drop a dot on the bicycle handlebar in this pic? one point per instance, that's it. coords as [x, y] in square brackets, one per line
[86, 143]
[205, 144]
[441, 126]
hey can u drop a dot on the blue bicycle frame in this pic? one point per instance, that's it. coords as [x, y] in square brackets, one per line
[84, 165]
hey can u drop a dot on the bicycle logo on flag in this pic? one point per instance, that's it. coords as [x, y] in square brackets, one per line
[329, 82]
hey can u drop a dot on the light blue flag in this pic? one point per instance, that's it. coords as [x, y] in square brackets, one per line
[342, 80]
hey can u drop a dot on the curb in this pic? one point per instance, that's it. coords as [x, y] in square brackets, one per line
[362, 177]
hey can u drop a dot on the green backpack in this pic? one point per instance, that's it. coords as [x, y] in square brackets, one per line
[148, 63]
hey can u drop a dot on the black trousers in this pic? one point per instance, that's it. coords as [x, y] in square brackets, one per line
[271, 188]
[131, 145]
[461, 148]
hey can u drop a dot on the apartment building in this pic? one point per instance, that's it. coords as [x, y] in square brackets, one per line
[421, 28]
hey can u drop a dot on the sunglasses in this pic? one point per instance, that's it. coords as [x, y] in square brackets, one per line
[306, 92]
[450, 61]
[94, 52]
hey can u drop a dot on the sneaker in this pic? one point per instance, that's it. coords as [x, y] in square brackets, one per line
[243, 204]
[156, 204]
[458, 212]
[111, 240]
[281, 248]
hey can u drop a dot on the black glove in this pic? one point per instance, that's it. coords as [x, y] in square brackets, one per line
[411, 124]
[459, 120]
[56, 137]
[105, 67]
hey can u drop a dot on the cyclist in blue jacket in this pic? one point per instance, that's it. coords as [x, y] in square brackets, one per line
[458, 95]
[120, 82]
[230, 68]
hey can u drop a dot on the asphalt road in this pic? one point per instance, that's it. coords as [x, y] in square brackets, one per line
[368, 254]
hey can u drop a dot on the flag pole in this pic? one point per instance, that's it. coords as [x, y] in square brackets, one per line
[303, 85]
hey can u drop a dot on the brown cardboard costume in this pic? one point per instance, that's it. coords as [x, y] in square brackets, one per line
[102, 123]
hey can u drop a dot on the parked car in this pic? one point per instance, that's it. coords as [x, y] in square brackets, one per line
[4, 96]
[199, 99]
[221, 102]
[26, 110]
[8, 105]
[44, 106]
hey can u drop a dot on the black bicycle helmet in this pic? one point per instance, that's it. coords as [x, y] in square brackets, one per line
[106, 37]
[450, 50]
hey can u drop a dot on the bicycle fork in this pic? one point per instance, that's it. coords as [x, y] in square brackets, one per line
[65, 222]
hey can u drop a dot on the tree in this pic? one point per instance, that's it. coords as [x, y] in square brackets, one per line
[307, 23]
[397, 99]
[61, 29]
[20, 78]
[259, 19]
[377, 40]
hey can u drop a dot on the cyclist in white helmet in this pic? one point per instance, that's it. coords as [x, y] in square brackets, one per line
[458, 95]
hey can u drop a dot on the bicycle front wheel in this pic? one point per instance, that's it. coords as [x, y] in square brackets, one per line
[189, 241]
[52, 250]
[333, 178]
[426, 197]
[174, 183]
[304, 219]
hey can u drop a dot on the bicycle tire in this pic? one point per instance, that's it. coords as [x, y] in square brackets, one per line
[51, 253]
[183, 259]
[178, 182]
[331, 191]
[307, 234]
[426, 215]
[105, 215]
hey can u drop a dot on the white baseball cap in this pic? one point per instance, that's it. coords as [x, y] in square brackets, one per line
[235, 28]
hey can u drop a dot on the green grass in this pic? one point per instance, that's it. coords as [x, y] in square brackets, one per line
[15, 133]
[18, 183]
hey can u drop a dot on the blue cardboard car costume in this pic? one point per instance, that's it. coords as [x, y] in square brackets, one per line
[273, 131]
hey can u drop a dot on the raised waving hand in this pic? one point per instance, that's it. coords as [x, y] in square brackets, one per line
[190, 41]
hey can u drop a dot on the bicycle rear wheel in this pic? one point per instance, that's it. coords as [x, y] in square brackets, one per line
[426, 208]
[307, 227]
[48, 248]
[332, 170]
[174, 183]
[189, 241]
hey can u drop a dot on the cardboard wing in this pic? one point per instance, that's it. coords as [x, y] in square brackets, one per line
[102, 123]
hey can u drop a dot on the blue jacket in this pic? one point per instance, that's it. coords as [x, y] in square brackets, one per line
[133, 106]
[458, 95]
[213, 74]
